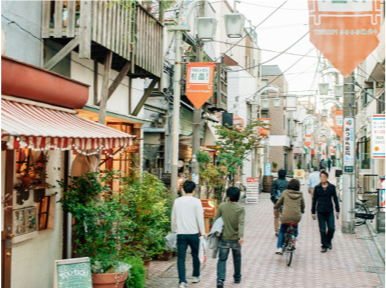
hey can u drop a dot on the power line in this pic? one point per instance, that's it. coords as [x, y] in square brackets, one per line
[296, 42]
[367, 74]
[305, 71]
[253, 28]
[42, 41]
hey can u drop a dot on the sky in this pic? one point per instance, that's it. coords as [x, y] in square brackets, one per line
[280, 31]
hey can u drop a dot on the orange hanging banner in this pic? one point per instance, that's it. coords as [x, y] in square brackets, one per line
[307, 141]
[199, 82]
[320, 143]
[345, 31]
[338, 122]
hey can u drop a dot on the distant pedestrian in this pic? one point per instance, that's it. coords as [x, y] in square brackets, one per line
[329, 163]
[322, 165]
[187, 221]
[313, 180]
[278, 186]
[293, 208]
[324, 195]
[232, 237]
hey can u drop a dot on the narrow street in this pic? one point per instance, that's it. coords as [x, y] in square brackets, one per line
[344, 266]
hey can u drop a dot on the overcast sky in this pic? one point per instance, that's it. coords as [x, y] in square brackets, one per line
[280, 31]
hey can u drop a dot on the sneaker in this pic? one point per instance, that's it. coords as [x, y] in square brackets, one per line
[182, 285]
[237, 281]
[220, 284]
[279, 251]
[196, 279]
[324, 250]
[330, 246]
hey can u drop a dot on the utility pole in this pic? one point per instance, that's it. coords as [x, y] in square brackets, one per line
[348, 204]
[197, 112]
[177, 95]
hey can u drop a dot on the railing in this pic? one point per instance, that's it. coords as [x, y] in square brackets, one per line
[123, 27]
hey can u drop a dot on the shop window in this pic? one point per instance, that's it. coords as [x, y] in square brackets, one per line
[381, 105]
[264, 115]
[366, 97]
[43, 212]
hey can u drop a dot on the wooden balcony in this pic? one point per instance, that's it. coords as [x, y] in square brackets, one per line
[124, 27]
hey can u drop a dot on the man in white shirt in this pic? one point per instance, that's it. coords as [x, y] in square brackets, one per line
[313, 180]
[187, 221]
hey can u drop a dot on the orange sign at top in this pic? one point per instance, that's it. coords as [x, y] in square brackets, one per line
[344, 31]
[338, 123]
[307, 141]
[199, 82]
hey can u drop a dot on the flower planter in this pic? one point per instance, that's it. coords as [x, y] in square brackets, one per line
[146, 262]
[25, 180]
[166, 256]
[109, 280]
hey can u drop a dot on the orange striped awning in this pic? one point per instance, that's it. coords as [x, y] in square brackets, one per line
[46, 127]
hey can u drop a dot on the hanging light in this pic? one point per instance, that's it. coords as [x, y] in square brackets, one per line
[265, 103]
[276, 102]
[338, 90]
[323, 88]
[324, 112]
[234, 25]
[206, 28]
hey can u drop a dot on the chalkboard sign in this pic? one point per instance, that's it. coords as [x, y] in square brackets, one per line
[73, 273]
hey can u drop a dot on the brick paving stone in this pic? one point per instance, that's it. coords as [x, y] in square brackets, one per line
[344, 266]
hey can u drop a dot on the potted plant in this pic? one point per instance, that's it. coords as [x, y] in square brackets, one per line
[101, 227]
[274, 165]
[299, 165]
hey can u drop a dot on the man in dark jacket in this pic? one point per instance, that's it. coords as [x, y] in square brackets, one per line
[329, 163]
[278, 186]
[324, 194]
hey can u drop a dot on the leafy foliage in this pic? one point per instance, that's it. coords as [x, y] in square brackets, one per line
[137, 272]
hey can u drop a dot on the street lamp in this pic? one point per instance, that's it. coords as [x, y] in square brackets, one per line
[276, 102]
[323, 88]
[324, 112]
[234, 24]
[338, 90]
[265, 103]
[206, 28]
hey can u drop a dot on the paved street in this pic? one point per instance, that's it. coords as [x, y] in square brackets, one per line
[344, 266]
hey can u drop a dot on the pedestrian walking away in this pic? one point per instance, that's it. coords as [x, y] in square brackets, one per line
[188, 221]
[313, 180]
[293, 207]
[278, 186]
[322, 202]
[322, 165]
[329, 163]
[232, 237]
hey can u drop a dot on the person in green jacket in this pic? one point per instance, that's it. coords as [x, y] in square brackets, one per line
[233, 215]
[293, 208]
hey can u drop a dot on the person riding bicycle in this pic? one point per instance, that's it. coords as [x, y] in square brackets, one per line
[293, 208]
[278, 186]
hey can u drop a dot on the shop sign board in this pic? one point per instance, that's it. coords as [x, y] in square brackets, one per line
[209, 206]
[72, 273]
[348, 145]
[378, 136]
[252, 190]
[299, 175]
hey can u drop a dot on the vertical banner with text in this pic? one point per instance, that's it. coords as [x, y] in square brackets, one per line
[348, 145]
[252, 190]
[378, 136]
[199, 82]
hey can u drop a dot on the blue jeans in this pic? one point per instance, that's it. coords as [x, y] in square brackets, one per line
[183, 240]
[224, 246]
[280, 238]
[323, 219]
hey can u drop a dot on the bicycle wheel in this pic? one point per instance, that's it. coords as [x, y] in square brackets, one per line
[289, 257]
[360, 209]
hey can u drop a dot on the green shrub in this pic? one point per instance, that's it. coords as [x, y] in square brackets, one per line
[136, 278]
[299, 165]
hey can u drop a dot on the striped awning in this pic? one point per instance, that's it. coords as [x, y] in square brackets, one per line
[47, 127]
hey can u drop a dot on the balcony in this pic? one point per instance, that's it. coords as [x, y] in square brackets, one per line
[124, 27]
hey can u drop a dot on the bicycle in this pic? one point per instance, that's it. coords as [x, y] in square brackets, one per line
[362, 211]
[289, 242]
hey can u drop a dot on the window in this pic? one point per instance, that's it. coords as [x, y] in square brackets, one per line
[264, 82]
[365, 96]
[283, 121]
[264, 115]
[381, 105]
[43, 212]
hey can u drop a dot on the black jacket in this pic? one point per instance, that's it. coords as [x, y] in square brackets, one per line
[322, 201]
[278, 185]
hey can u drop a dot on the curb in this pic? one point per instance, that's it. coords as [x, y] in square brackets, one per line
[381, 251]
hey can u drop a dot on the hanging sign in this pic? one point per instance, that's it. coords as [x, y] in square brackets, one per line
[332, 149]
[307, 141]
[267, 170]
[263, 132]
[378, 136]
[348, 144]
[71, 273]
[320, 143]
[199, 82]
[252, 190]
[209, 207]
[345, 31]
[299, 175]
[338, 123]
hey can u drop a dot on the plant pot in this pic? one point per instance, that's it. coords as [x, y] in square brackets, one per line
[25, 180]
[146, 262]
[109, 280]
[166, 256]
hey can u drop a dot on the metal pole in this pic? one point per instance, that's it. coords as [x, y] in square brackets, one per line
[348, 204]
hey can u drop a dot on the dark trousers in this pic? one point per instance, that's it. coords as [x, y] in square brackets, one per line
[183, 240]
[224, 246]
[329, 220]
[283, 229]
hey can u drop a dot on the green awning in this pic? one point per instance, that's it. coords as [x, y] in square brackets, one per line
[305, 150]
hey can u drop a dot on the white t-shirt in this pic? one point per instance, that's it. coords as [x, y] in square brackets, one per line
[188, 216]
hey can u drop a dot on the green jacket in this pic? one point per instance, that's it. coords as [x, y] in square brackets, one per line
[293, 206]
[233, 215]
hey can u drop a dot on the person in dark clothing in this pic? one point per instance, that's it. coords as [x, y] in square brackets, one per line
[324, 195]
[322, 165]
[278, 186]
[329, 163]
